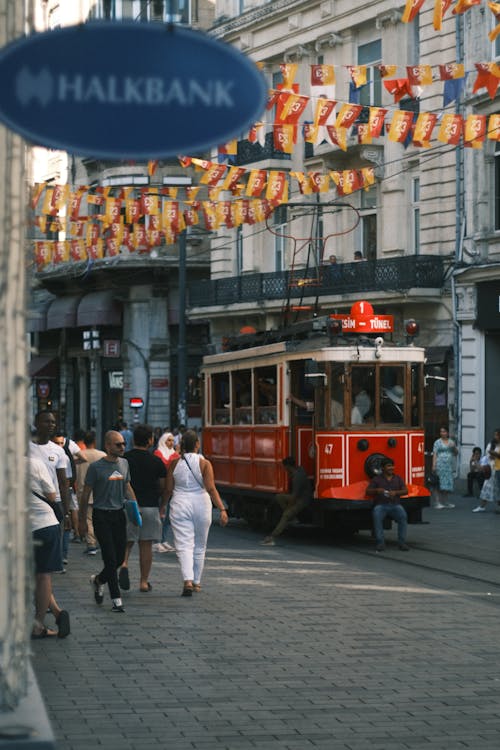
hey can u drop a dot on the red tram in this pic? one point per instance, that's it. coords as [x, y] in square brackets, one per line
[332, 393]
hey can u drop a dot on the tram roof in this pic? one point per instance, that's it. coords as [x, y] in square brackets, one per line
[359, 350]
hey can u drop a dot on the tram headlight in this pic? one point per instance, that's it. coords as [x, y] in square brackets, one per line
[411, 327]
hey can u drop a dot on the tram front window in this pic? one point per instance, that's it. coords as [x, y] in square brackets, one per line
[392, 394]
[363, 392]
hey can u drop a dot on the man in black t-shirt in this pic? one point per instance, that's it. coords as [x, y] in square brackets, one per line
[147, 477]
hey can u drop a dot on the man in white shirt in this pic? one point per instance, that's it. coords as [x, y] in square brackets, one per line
[47, 550]
[54, 457]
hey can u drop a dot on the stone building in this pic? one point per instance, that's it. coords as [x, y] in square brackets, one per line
[426, 228]
[109, 329]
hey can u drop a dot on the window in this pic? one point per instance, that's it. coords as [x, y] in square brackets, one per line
[415, 210]
[239, 250]
[392, 395]
[362, 394]
[497, 187]
[266, 395]
[221, 404]
[167, 11]
[369, 236]
[369, 224]
[370, 54]
[242, 392]
[280, 227]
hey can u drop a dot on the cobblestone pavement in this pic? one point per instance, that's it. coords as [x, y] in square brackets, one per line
[303, 645]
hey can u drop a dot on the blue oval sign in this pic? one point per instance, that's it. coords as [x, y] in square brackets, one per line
[128, 90]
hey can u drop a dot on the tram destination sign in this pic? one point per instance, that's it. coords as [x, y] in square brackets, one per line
[128, 90]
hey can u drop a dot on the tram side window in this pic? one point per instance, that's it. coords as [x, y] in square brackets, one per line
[242, 389]
[221, 398]
[392, 394]
[416, 391]
[266, 395]
[363, 392]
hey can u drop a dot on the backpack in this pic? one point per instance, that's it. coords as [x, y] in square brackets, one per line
[67, 451]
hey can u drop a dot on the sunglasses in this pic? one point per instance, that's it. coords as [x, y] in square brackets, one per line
[120, 445]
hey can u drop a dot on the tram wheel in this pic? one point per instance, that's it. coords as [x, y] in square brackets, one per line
[373, 464]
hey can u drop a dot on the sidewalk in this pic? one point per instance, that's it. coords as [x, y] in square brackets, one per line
[291, 647]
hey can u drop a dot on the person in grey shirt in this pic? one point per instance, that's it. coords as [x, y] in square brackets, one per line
[109, 481]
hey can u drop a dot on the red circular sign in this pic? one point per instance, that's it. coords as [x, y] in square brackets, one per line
[43, 388]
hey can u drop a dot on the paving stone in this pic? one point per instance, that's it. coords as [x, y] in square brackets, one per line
[306, 645]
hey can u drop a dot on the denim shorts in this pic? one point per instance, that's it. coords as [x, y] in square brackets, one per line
[48, 549]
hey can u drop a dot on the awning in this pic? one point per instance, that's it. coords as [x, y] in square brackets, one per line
[36, 317]
[62, 312]
[42, 367]
[99, 309]
[437, 355]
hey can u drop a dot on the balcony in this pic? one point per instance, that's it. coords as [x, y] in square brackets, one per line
[396, 275]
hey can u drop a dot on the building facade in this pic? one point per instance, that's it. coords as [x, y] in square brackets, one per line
[425, 227]
[107, 319]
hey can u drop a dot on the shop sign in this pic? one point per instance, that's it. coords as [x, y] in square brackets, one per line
[115, 379]
[111, 348]
[128, 90]
[159, 382]
[42, 388]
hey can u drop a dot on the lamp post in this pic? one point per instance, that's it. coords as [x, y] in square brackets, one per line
[181, 345]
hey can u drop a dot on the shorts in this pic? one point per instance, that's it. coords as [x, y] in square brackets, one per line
[150, 529]
[48, 549]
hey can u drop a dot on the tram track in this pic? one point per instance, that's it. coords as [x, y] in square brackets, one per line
[411, 562]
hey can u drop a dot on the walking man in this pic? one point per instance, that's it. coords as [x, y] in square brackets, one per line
[109, 481]
[147, 477]
[387, 489]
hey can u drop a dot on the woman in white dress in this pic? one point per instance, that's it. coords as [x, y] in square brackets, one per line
[191, 484]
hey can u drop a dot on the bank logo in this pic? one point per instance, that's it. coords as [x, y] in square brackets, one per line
[39, 86]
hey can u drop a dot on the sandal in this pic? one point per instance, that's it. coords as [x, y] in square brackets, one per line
[45, 633]
[197, 587]
[146, 589]
[187, 591]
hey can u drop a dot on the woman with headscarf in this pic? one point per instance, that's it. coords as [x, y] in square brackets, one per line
[166, 451]
[191, 485]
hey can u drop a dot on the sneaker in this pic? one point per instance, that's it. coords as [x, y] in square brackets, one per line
[438, 506]
[117, 606]
[98, 590]
[380, 548]
[123, 579]
[65, 560]
[479, 509]
[404, 547]
[91, 551]
[449, 505]
[268, 542]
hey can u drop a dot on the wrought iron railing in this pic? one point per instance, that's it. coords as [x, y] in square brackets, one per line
[397, 275]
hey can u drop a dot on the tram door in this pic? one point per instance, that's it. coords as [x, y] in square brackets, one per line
[302, 416]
